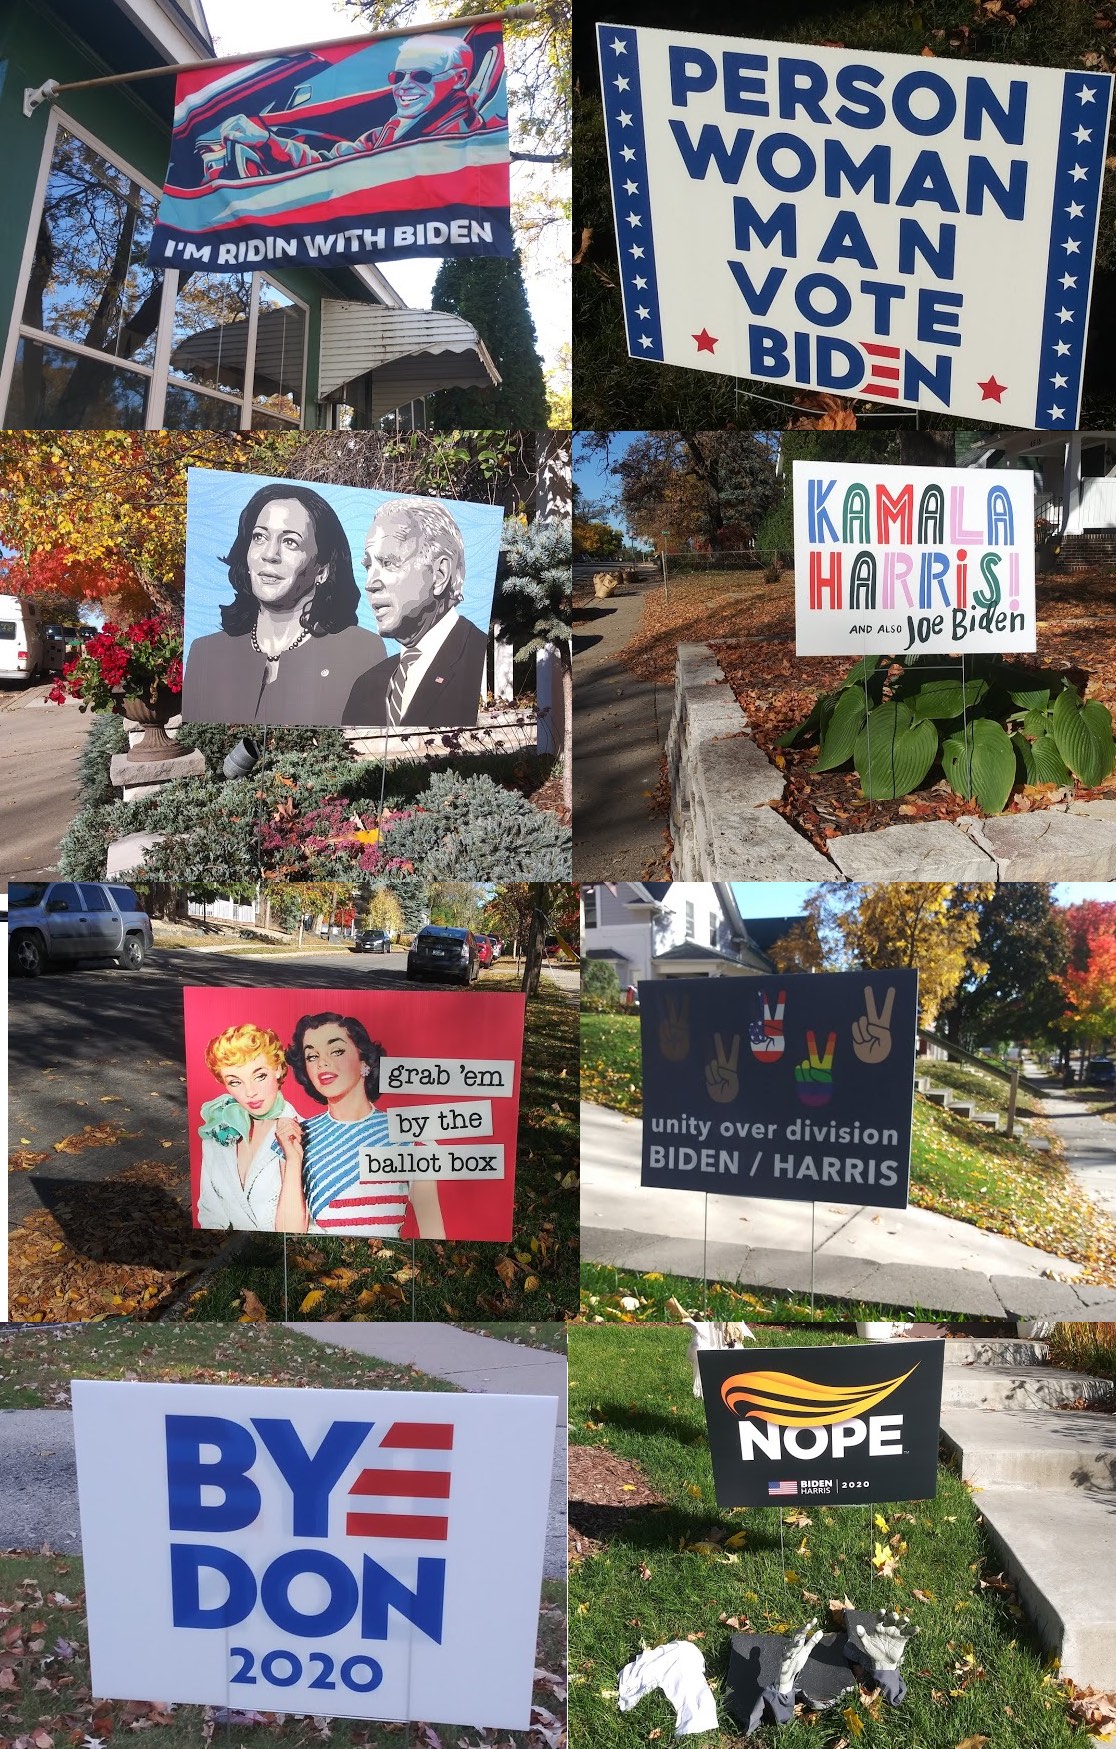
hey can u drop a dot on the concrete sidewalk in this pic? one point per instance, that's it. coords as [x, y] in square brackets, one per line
[902, 1258]
[619, 725]
[1089, 1142]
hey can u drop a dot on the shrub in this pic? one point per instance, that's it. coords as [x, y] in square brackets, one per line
[1006, 725]
[600, 987]
[107, 735]
[470, 829]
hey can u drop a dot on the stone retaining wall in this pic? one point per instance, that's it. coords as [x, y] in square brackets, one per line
[724, 828]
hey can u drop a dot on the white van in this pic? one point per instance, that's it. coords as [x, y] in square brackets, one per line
[23, 650]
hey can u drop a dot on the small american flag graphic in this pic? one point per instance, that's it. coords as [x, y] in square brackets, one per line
[384, 1485]
[782, 1490]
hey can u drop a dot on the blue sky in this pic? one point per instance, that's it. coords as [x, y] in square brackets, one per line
[591, 471]
[787, 898]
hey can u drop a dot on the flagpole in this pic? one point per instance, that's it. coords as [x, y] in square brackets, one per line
[50, 88]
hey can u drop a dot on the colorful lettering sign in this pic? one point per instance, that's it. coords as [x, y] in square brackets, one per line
[306, 1551]
[797, 1087]
[368, 151]
[840, 1426]
[354, 1113]
[912, 560]
[919, 232]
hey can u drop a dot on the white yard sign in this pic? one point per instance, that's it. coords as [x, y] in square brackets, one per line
[902, 561]
[914, 231]
[370, 1554]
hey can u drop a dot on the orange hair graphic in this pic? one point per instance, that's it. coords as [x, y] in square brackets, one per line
[793, 1402]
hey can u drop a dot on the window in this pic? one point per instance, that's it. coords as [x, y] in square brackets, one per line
[713, 931]
[589, 901]
[63, 896]
[94, 898]
[104, 341]
[689, 920]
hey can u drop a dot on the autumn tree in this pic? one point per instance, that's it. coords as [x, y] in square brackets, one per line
[101, 515]
[707, 485]
[383, 911]
[799, 950]
[455, 904]
[933, 926]
[596, 540]
[1089, 982]
[1023, 942]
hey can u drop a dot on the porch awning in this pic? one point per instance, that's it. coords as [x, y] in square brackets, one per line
[406, 353]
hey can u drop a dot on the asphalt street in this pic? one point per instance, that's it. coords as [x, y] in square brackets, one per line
[96, 1045]
[40, 745]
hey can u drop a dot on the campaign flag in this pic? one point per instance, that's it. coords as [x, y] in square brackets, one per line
[913, 560]
[917, 232]
[371, 151]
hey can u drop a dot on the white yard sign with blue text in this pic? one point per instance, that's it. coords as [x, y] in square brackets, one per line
[367, 1554]
[913, 231]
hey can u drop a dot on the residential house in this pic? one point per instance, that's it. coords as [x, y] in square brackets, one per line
[91, 337]
[669, 929]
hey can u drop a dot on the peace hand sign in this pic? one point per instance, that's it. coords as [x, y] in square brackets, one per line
[721, 1080]
[814, 1077]
[766, 1036]
[871, 1034]
[674, 1029]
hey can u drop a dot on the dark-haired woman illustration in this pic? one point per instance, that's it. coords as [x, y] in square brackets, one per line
[290, 647]
[337, 1063]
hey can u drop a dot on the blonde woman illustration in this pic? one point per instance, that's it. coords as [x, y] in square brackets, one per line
[242, 1165]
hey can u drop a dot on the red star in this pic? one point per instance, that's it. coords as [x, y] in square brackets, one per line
[706, 341]
[991, 390]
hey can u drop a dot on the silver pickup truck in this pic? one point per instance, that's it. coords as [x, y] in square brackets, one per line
[59, 922]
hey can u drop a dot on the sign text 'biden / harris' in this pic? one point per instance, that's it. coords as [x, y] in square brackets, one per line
[809, 217]
[913, 560]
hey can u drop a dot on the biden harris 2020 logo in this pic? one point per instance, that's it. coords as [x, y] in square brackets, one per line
[315, 1551]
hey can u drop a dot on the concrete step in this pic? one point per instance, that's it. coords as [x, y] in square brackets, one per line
[1032, 1448]
[1060, 1548]
[1021, 1387]
[937, 1095]
[960, 1107]
[995, 1351]
[988, 1120]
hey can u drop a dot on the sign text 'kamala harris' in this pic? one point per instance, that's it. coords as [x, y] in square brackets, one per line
[912, 559]
[323, 605]
[831, 220]
[798, 1087]
[307, 1551]
[364, 151]
[837, 1426]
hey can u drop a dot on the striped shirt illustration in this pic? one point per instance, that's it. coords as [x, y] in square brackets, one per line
[337, 1201]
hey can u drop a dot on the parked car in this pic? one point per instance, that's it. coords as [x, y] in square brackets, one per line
[1100, 1072]
[23, 644]
[497, 947]
[59, 922]
[444, 953]
[371, 941]
[484, 949]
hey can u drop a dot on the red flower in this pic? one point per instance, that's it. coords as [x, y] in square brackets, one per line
[174, 676]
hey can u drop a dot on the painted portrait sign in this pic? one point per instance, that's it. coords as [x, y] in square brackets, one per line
[357, 1114]
[314, 1551]
[362, 151]
[794, 1086]
[841, 1426]
[909, 560]
[919, 232]
[326, 605]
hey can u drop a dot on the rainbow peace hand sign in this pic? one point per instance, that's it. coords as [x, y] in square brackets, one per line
[814, 1075]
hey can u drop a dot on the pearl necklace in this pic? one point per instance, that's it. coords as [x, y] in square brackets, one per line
[272, 670]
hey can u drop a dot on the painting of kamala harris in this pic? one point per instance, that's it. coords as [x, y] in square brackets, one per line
[280, 630]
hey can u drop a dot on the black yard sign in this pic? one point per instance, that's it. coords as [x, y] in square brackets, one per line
[797, 1087]
[834, 1426]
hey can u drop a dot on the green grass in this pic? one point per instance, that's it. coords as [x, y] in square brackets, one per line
[974, 1672]
[37, 1364]
[532, 1280]
[46, 1646]
[988, 1091]
[957, 1168]
[604, 1287]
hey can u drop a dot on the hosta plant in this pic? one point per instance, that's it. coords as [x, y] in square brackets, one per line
[991, 725]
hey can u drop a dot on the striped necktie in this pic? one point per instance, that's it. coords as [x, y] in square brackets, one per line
[407, 660]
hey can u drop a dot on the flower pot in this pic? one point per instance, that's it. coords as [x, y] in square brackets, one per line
[879, 1330]
[155, 745]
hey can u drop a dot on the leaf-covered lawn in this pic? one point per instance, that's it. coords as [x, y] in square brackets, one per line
[37, 1364]
[532, 1280]
[745, 618]
[669, 1573]
[46, 1703]
[957, 1168]
[630, 1296]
